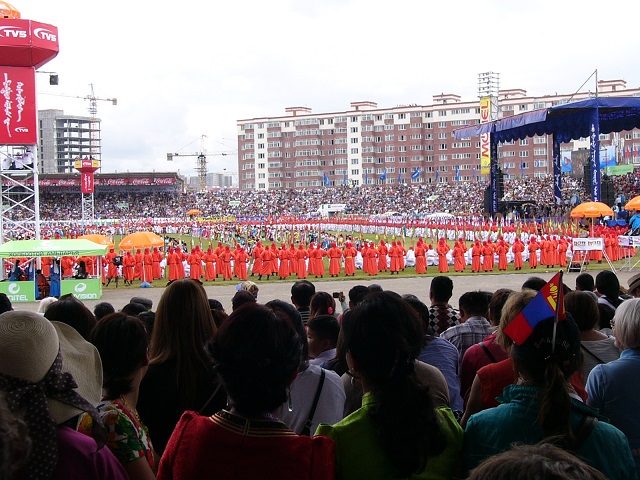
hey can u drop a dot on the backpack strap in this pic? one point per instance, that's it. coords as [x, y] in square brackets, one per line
[306, 430]
[591, 353]
[488, 352]
[585, 427]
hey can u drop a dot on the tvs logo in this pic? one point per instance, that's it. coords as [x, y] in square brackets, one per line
[21, 129]
[7, 31]
[45, 34]
[14, 289]
[80, 287]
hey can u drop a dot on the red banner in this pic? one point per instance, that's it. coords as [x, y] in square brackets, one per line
[18, 125]
[86, 182]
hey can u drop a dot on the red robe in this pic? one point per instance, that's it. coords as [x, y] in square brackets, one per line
[335, 254]
[349, 254]
[301, 265]
[421, 258]
[224, 260]
[127, 267]
[517, 249]
[257, 260]
[442, 250]
[241, 260]
[283, 269]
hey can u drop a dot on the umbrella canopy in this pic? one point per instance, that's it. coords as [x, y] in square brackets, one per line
[592, 210]
[50, 248]
[633, 204]
[194, 211]
[99, 239]
[141, 240]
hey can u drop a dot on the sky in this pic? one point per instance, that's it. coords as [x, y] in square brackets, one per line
[180, 70]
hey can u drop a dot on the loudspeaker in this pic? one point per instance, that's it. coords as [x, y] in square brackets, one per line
[608, 193]
[586, 177]
[487, 200]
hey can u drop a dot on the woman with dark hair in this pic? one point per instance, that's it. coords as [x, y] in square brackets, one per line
[543, 405]
[397, 433]
[256, 354]
[596, 346]
[68, 309]
[322, 303]
[180, 375]
[123, 345]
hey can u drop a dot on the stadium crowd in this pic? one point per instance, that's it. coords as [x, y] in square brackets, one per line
[367, 385]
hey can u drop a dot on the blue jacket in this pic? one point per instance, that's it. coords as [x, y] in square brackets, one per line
[514, 421]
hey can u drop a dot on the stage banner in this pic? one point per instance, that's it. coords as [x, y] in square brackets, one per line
[19, 291]
[89, 289]
[18, 113]
[628, 241]
[485, 138]
[587, 244]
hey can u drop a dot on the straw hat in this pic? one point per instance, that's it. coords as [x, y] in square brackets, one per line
[634, 282]
[29, 345]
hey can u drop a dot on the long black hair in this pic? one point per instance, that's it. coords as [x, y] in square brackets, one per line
[384, 335]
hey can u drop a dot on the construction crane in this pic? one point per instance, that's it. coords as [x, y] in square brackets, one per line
[94, 134]
[201, 162]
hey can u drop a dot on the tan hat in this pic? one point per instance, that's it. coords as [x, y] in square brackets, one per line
[634, 282]
[29, 345]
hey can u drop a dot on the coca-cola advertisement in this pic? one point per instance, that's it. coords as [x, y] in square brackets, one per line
[18, 125]
[140, 181]
[115, 181]
[164, 180]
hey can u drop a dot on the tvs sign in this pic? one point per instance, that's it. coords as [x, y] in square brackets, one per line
[26, 43]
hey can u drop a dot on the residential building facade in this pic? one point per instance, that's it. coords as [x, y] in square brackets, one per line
[409, 144]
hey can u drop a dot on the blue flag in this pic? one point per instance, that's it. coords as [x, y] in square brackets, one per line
[437, 175]
[325, 179]
[344, 181]
[415, 174]
[366, 178]
[457, 173]
[399, 178]
[384, 175]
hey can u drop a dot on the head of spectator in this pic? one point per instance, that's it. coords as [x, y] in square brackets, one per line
[215, 304]
[441, 290]
[134, 309]
[250, 287]
[149, 318]
[357, 294]
[241, 297]
[5, 303]
[584, 309]
[382, 338]
[146, 302]
[608, 285]
[547, 358]
[634, 285]
[585, 282]
[322, 334]
[626, 325]
[374, 287]
[605, 315]
[534, 283]
[183, 326]
[68, 309]
[122, 341]
[301, 293]
[535, 462]
[473, 304]
[282, 308]
[422, 310]
[103, 309]
[322, 303]
[256, 354]
[496, 303]
[33, 372]
[44, 304]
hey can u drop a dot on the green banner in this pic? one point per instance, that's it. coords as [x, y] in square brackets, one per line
[619, 170]
[89, 289]
[234, 203]
[19, 291]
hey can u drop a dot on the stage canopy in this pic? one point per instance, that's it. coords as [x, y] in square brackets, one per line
[51, 248]
[567, 122]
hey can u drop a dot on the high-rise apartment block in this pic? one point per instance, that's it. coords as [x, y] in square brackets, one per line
[412, 144]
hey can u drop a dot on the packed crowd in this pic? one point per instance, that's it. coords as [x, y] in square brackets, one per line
[388, 387]
[459, 198]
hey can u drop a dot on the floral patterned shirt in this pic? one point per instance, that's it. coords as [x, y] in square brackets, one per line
[128, 437]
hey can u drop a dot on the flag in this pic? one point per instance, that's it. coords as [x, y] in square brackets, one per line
[325, 179]
[549, 302]
[399, 178]
[627, 152]
[366, 178]
[384, 175]
[344, 180]
[475, 177]
[415, 174]
[437, 175]
[457, 173]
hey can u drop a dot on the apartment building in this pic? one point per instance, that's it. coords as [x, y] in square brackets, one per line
[409, 144]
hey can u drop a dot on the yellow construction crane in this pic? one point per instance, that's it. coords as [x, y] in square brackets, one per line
[201, 162]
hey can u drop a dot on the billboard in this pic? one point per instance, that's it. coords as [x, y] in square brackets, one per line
[18, 112]
[485, 138]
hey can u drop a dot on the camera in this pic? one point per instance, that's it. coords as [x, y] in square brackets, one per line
[337, 294]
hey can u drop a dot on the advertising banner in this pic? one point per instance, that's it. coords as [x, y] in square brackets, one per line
[485, 138]
[18, 113]
[19, 291]
[587, 244]
[88, 289]
[86, 181]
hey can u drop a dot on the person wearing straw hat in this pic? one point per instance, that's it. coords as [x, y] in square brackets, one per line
[634, 286]
[41, 368]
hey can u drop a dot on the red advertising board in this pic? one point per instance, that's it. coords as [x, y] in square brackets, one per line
[86, 182]
[18, 125]
[26, 43]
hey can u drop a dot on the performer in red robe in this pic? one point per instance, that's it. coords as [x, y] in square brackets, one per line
[533, 248]
[241, 260]
[442, 250]
[517, 249]
[147, 266]
[172, 263]
[156, 258]
[382, 256]
[268, 259]
[476, 252]
[283, 268]
[256, 269]
[225, 258]
[458, 257]
[127, 268]
[502, 249]
[335, 255]
[393, 253]
[349, 253]
[421, 258]
[137, 268]
[301, 264]
[209, 259]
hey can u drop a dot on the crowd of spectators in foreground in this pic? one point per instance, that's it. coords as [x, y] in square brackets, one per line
[373, 385]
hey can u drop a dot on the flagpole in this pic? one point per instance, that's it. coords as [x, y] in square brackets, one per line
[559, 305]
